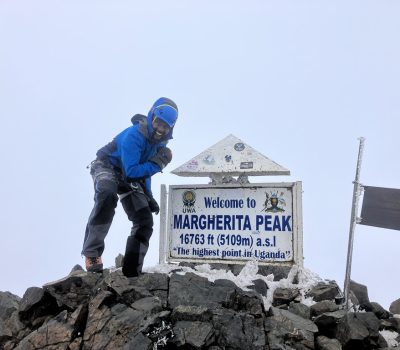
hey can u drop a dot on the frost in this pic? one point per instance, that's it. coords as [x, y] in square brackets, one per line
[390, 337]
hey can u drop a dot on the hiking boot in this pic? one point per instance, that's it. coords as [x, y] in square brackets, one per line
[93, 264]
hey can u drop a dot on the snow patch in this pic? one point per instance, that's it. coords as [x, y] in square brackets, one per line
[306, 279]
[390, 337]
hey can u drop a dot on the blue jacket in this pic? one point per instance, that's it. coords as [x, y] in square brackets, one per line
[131, 151]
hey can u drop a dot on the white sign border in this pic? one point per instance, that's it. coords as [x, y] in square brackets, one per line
[165, 231]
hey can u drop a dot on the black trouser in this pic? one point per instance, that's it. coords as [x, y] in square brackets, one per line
[108, 183]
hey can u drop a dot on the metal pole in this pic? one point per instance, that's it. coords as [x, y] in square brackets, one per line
[353, 221]
[162, 255]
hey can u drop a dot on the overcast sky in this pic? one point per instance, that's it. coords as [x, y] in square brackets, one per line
[299, 81]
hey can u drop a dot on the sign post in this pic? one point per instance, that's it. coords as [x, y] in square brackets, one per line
[230, 220]
[353, 221]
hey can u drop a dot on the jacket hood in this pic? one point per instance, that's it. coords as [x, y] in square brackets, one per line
[166, 110]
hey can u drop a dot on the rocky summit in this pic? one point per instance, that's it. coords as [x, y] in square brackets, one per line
[182, 310]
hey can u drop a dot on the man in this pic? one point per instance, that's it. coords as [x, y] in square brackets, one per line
[124, 168]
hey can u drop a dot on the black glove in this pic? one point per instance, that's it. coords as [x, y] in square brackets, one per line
[162, 158]
[153, 205]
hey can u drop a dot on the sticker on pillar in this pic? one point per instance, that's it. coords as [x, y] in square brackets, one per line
[228, 158]
[239, 146]
[209, 159]
[246, 165]
[192, 165]
[274, 202]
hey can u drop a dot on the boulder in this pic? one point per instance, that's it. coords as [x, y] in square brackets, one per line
[394, 307]
[249, 302]
[156, 283]
[194, 334]
[323, 307]
[283, 296]
[325, 343]
[284, 327]
[139, 342]
[238, 330]
[279, 272]
[191, 313]
[358, 331]
[8, 304]
[378, 310]
[124, 288]
[260, 287]
[149, 306]
[57, 333]
[361, 293]
[327, 322]
[36, 305]
[73, 290]
[191, 289]
[324, 291]
[119, 261]
[300, 309]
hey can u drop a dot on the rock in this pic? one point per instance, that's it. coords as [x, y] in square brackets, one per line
[249, 302]
[10, 325]
[283, 296]
[191, 313]
[323, 307]
[54, 334]
[279, 272]
[112, 327]
[125, 288]
[156, 283]
[324, 291]
[382, 343]
[325, 343]
[237, 330]
[188, 264]
[354, 330]
[300, 310]
[11, 328]
[385, 324]
[139, 342]
[193, 333]
[395, 323]
[109, 311]
[378, 310]
[394, 307]
[76, 269]
[119, 261]
[36, 305]
[285, 327]
[8, 304]
[73, 290]
[361, 293]
[372, 323]
[75, 344]
[327, 322]
[198, 291]
[150, 305]
[260, 287]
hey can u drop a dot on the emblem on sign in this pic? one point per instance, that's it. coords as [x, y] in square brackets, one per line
[272, 202]
[188, 198]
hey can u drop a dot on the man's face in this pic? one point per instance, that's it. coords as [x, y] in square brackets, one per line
[160, 128]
